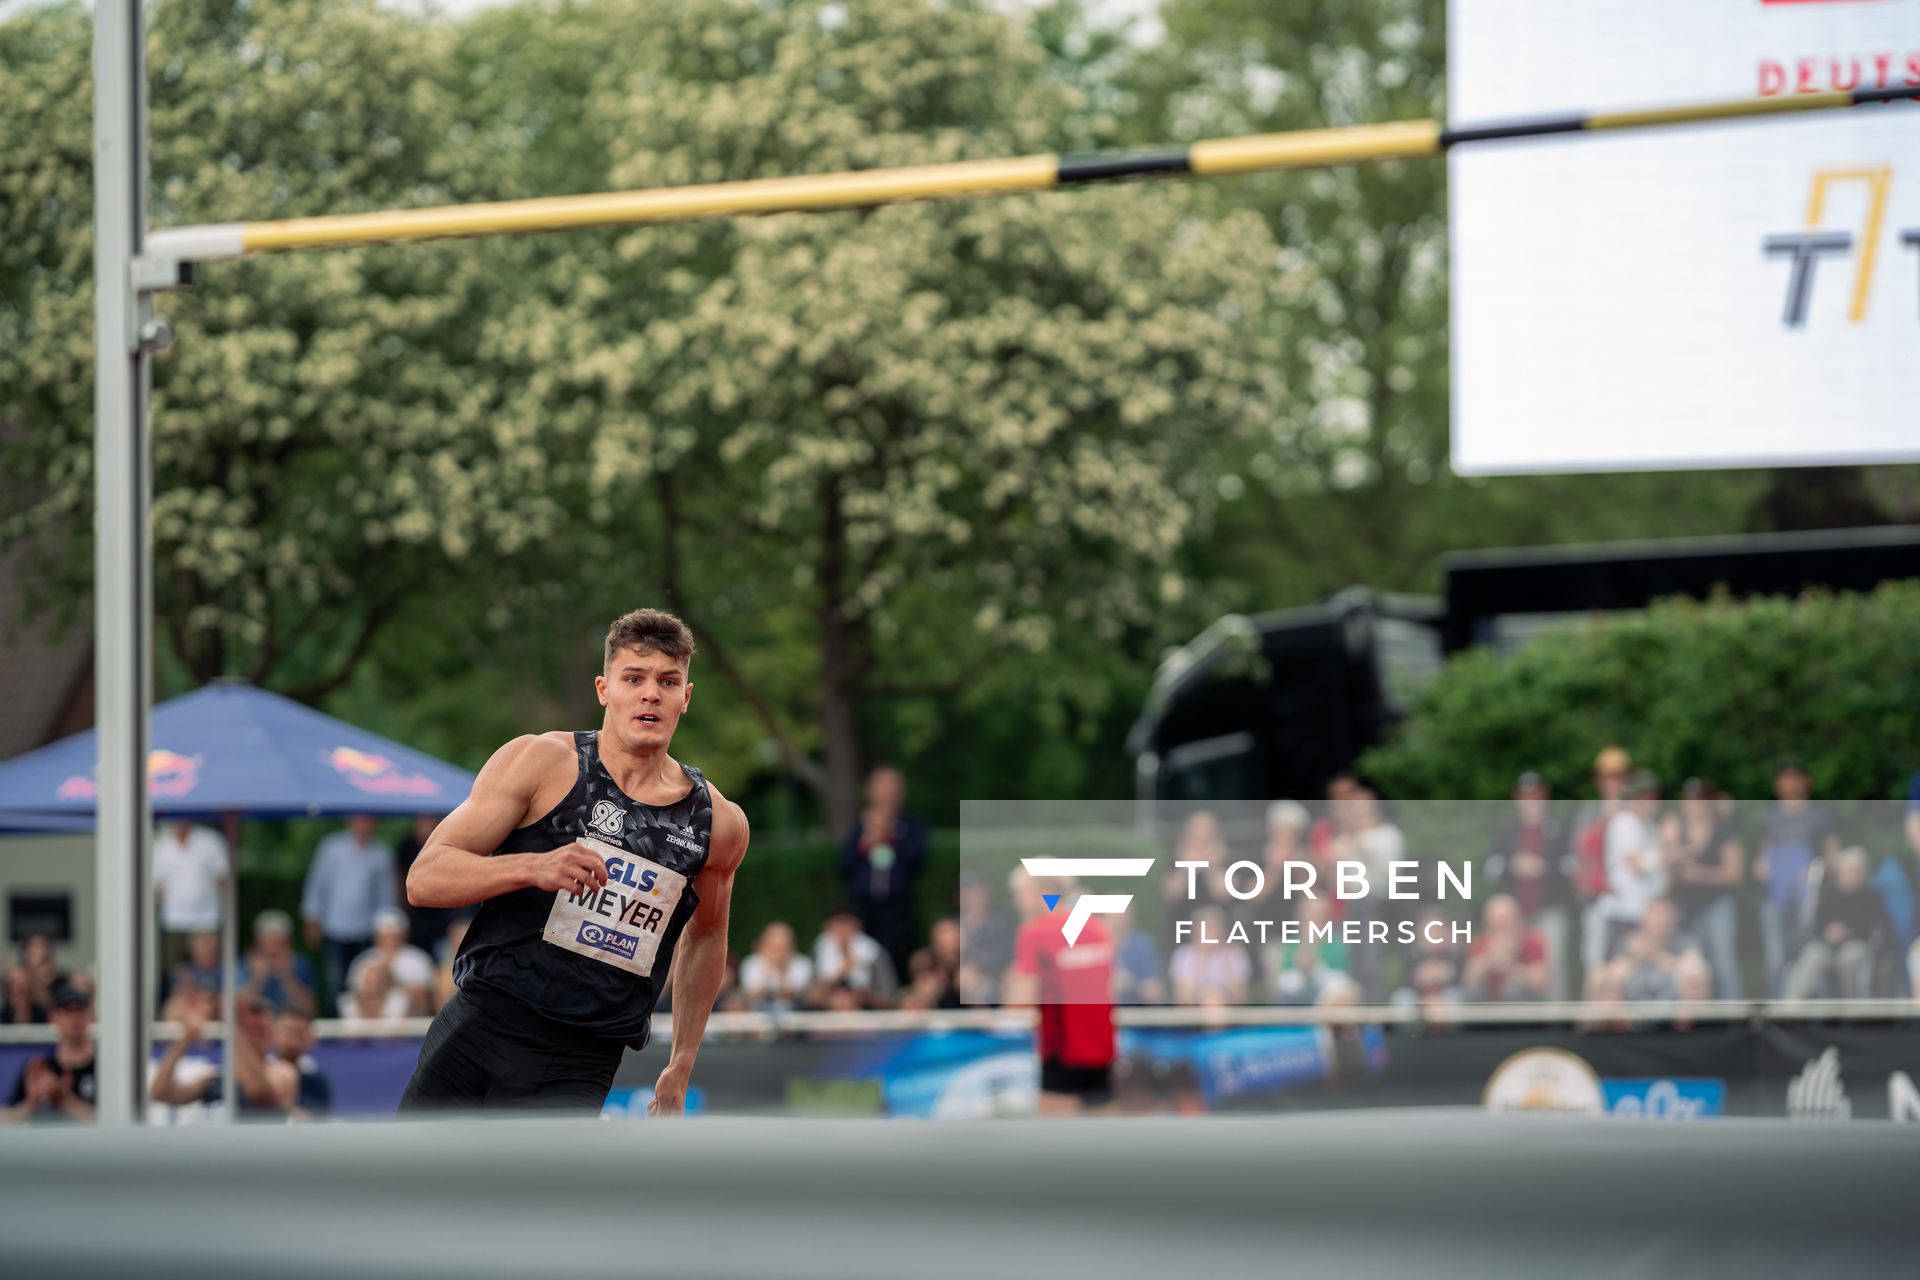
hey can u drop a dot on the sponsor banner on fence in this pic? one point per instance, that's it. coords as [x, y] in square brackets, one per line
[1805, 1072]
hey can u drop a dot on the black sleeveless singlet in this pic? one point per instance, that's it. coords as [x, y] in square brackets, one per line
[506, 952]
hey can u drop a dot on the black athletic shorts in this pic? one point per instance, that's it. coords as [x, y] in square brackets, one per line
[1092, 1085]
[489, 1052]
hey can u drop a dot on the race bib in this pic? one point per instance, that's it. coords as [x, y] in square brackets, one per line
[622, 924]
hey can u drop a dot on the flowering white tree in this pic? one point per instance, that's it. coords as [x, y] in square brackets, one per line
[936, 436]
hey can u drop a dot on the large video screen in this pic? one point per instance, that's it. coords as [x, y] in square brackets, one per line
[1738, 294]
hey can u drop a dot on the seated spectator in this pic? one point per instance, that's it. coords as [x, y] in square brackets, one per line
[986, 941]
[844, 954]
[1339, 992]
[272, 969]
[934, 970]
[1508, 961]
[1692, 977]
[1647, 972]
[20, 1008]
[443, 983]
[298, 1083]
[1137, 978]
[202, 974]
[1606, 986]
[775, 976]
[842, 998]
[259, 1098]
[1431, 975]
[43, 971]
[59, 1085]
[375, 996]
[408, 967]
[1850, 926]
[1303, 973]
[1209, 974]
[1661, 927]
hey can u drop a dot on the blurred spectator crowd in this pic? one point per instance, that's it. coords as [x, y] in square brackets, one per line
[1630, 895]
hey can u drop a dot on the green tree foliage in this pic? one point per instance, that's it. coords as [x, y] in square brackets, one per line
[1719, 690]
[918, 443]
[321, 435]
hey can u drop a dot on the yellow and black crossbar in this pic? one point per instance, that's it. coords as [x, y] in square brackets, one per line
[1311, 148]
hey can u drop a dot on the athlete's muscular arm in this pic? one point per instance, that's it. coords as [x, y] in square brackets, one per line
[455, 869]
[700, 961]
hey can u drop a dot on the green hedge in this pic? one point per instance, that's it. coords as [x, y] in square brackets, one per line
[1723, 690]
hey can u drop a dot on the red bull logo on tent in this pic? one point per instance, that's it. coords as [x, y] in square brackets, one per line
[169, 774]
[377, 775]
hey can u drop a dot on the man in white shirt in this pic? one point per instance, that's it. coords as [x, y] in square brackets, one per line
[189, 879]
[775, 975]
[410, 968]
[1636, 869]
[844, 954]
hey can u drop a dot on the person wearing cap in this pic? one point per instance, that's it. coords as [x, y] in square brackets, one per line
[59, 1085]
[410, 968]
[1636, 871]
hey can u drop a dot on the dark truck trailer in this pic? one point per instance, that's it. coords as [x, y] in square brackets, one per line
[1274, 705]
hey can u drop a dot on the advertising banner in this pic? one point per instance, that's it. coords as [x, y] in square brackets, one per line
[1726, 295]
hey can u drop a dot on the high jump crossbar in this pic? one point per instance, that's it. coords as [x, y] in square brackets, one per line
[869, 188]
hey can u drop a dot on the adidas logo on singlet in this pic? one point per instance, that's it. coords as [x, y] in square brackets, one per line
[685, 841]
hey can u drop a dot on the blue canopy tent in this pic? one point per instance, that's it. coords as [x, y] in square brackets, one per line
[227, 751]
[232, 748]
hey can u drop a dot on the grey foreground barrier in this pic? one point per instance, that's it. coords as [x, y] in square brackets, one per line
[1406, 1193]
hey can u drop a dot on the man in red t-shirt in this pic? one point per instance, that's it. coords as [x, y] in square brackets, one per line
[1073, 987]
[1508, 961]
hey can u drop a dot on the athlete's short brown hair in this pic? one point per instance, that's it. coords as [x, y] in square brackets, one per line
[652, 629]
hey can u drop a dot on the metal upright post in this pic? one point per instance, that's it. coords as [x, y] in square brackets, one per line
[123, 554]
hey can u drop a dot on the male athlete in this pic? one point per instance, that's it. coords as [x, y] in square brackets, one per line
[594, 855]
[1073, 986]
